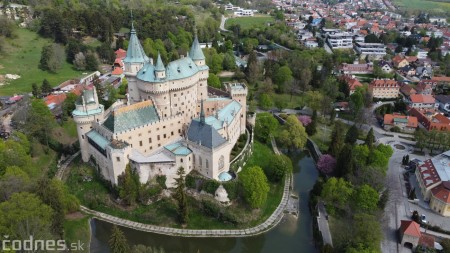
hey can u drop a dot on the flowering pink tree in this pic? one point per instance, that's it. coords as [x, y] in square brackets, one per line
[326, 164]
[306, 120]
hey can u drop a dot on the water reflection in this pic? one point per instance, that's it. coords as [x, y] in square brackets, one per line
[290, 236]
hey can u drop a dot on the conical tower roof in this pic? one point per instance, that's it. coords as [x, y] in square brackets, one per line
[135, 52]
[196, 52]
[159, 64]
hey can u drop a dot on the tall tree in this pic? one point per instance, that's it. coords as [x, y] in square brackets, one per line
[337, 139]
[352, 135]
[35, 90]
[311, 129]
[129, 185]
[254, 185]
[180, 196]
[46, 88]
[265, 126]
[40, 121]
[370, 139]
[117, 242]
[344, 164]
[294, 135]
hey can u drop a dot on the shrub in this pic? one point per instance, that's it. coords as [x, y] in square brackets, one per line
[229, 217]
[210, 208]
[232, 189]
[210, 186]
[396, 129]
[161, 181]
[190, 182]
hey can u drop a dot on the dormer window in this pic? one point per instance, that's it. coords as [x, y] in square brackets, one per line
[178, 69]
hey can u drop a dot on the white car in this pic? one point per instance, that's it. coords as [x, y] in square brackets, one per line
[423, 218]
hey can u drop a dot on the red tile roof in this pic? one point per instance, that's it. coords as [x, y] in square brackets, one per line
[427, 240]
[117, 71]
[381, 83]
[420, 98]
[56, 99]
[440, 79]
[409, 227]
[442, 193]
[428, 173]
[120, 53]
[407, 90]
[389, 120]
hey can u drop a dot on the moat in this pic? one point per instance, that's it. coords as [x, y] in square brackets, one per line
[291, 235]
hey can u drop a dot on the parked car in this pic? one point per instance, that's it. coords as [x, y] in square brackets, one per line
[423, 218]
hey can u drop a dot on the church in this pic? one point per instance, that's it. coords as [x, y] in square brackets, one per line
[169, 120]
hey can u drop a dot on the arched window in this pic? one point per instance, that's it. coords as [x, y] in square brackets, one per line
[200, 161]
[221, 162]
[207, 164]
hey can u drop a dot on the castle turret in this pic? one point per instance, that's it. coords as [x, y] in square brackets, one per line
[196, 53]
[134, 61]
[160, 70]
[87, 112]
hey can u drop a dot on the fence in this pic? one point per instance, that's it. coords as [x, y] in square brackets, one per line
[246, 152]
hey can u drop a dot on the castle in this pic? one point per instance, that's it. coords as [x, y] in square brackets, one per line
[168, 121]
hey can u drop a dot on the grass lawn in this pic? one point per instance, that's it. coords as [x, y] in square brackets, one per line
[42, 161]
[77, 229]
[22, 58]
[424, 5]
[322, 137]
[250, 22]
[295, 101]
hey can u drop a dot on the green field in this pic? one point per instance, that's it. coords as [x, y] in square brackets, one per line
[249, 22]
[22, 56]
[424, 5]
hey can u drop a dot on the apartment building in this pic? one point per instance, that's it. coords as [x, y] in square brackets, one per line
[384, 88]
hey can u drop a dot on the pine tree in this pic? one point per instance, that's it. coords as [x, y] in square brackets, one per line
[370, 139]
[46, 88]
[118, 242]
[180, 196]
[352, 135]
[36, 91]
[344, 165]
[311, 128]
[337, 139]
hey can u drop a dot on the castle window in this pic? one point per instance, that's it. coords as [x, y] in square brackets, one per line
[140, 143]
[164, 136]
[193, 159]
[82, 136]
[118, 159]
[171, 133]
[159, 145]
[139, 134]
[164, 126]
[179, 131]
[207, 164]
[158, 138]
[181, 160]
[221, 162]
[200, 161]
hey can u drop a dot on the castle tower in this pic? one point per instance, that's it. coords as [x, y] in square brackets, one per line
[134, 61]
[238, 92]
[160, 70]
[197, 56]
[87, 112]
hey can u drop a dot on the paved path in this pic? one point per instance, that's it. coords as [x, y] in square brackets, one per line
[222, 24]
[60, 173]
[267, 225]
[322, 220]
[274, 146]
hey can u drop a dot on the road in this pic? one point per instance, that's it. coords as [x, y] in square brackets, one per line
[322, 220]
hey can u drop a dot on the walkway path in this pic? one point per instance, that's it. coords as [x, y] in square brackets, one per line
[222, 24]
[60, 173]
[274, 146]
[267, 225]
[322, 220]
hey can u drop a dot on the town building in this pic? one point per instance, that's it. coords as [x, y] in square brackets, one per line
[421, 101]
[384, 88]
[406, 124]
[431, 119]
[351, 82]
[373, 50]
[409, 233]
[433, 177]
[168, 121]
[340, 40]
[443, 102]
[346, 68]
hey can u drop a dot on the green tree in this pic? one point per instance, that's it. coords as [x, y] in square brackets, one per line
[180, 196]
[360, 155]
[68, 105]
[294, 135]
[214, 81]
[265, 101]
[229, 63]
[370, 139]
[278, 166]
[365, 198]
[337, 191]
[14, 180]
[266, 125]
[35, 90]
[344, 165]
[52, 57]
[117, 242]
[337, 139]
[254, 186]
[311, 128]
[46, 88]
[129, 185]
[356, 101]
[23, 215]
[282, 77]
[91, 61]
[352, 135]
[40, 121]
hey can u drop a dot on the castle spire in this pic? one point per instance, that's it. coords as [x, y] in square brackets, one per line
[196, 52]
[159, 64]
[135, 52]
[202, 113]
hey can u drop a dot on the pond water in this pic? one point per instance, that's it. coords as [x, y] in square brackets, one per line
[291, 235]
